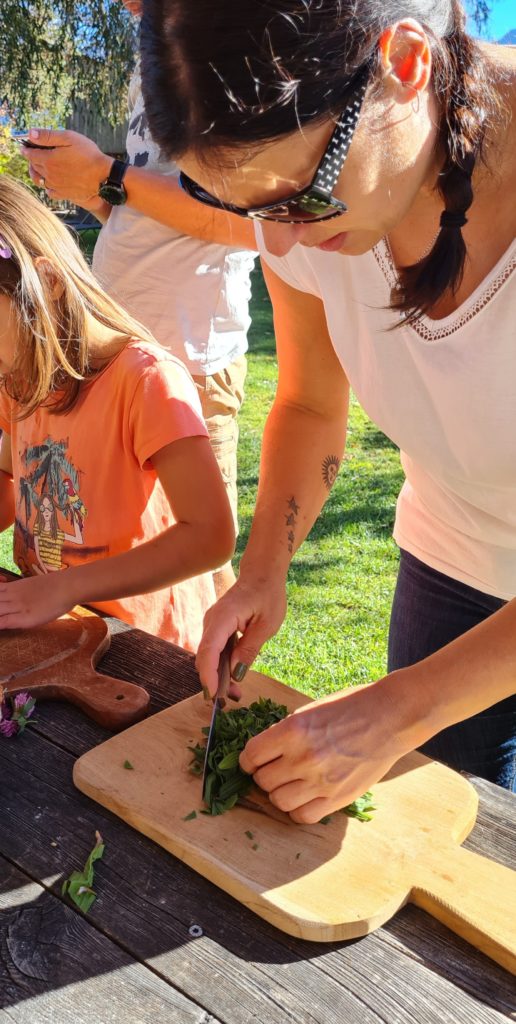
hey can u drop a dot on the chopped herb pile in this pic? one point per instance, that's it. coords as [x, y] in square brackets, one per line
[79, 885]
[226, 781]
[15, 712]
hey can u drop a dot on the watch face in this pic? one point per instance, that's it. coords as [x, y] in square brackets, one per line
[113, 194]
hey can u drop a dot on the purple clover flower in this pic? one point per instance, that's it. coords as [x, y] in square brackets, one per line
[8, 727]
[15, 713]
[21, 699]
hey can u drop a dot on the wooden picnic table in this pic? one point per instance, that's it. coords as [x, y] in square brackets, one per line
[133, 958]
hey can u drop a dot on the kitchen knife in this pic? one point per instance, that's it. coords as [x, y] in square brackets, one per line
[224, 673]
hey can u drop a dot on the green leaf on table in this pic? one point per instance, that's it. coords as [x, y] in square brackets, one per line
[79, 885]
[128, 765]
[191, 816]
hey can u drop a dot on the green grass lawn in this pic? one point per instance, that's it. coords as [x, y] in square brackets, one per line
[341, 582]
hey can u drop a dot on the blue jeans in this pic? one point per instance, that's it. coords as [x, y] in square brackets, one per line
[429, 611]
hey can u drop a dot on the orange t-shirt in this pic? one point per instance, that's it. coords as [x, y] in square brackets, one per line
[85, 487]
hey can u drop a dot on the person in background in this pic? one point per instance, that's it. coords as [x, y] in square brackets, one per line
[181, 270]
[106, 469]
[375, 142]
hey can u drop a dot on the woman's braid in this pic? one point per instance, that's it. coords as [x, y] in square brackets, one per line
[466, 99]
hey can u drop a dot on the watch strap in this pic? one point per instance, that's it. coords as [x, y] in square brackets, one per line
[116, 174]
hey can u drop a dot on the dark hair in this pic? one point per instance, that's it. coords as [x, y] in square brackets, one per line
[217, 75]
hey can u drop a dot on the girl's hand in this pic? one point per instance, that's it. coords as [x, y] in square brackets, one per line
[34, 601]
[328, 753]
[256, 610]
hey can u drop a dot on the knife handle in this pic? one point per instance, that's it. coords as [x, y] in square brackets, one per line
[224, 671]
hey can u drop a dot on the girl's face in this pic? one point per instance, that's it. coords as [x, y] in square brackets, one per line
[8, 335]
[391, 161]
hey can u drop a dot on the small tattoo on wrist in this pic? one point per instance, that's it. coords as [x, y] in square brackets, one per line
[330, 468]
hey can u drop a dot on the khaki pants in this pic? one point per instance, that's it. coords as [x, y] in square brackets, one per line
[221, 396]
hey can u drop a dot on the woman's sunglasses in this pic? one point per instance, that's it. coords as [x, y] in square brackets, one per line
[315, 202]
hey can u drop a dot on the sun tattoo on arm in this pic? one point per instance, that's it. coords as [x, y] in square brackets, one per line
[291, 520]
[330, 468]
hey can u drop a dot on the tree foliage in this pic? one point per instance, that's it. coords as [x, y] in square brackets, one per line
[54, 51]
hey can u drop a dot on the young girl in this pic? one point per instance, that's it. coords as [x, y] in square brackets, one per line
[105, 465]
[375, 142]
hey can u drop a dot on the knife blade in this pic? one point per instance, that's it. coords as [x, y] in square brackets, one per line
[224, 678]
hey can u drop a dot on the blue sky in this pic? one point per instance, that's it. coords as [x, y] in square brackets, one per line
[502, 19]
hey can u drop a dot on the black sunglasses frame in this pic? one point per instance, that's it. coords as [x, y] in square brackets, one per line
[318, 193]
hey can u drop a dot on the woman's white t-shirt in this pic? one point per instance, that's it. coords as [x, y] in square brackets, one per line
[445, 392]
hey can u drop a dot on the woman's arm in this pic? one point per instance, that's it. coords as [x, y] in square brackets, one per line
[329, 752]
[76, 166]
[6, 483]
[305, 428]
[202, 538]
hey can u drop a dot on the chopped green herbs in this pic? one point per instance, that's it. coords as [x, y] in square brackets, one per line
[191, 816]
[129, 766]
[361, 808]
[79, 885]
[226, 782]
[250, 835]
[256, 846]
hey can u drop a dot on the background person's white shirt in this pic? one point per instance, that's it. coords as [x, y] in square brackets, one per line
[193, 295]
[445, 393]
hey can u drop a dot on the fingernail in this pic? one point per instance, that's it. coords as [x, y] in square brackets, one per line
[239, 671]
[34, 134]
[206, 692]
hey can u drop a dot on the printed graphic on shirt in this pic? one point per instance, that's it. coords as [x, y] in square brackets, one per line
[142, 151]
[51, 514]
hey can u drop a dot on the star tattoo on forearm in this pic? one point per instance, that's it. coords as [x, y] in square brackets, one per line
[291, 520]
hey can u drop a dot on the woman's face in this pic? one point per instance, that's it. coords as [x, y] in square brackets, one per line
[133, 6]
[8, 335]
[390, 161]
[46, 511]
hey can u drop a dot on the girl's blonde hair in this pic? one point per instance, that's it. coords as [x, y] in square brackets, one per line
[52, 358]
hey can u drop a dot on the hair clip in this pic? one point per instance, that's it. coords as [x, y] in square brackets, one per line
[5, 252]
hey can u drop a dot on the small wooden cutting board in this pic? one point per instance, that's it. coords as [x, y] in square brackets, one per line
[57, 662]
[319, 882]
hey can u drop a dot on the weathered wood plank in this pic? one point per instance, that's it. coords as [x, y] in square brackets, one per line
[56, 967]
[241, 969]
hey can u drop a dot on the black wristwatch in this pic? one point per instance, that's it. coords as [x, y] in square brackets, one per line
[112, 190]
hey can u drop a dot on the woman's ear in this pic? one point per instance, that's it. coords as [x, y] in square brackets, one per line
[47, 270]
[406, 56]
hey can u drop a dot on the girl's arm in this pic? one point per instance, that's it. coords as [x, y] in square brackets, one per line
[202, 539]
[303, 444]
[6, 483]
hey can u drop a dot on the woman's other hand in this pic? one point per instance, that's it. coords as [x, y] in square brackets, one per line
[330, 752]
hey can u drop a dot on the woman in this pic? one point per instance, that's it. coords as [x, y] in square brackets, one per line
[375, 143]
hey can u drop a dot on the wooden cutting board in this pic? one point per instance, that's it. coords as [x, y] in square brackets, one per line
[57, 662]
[318, 882]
